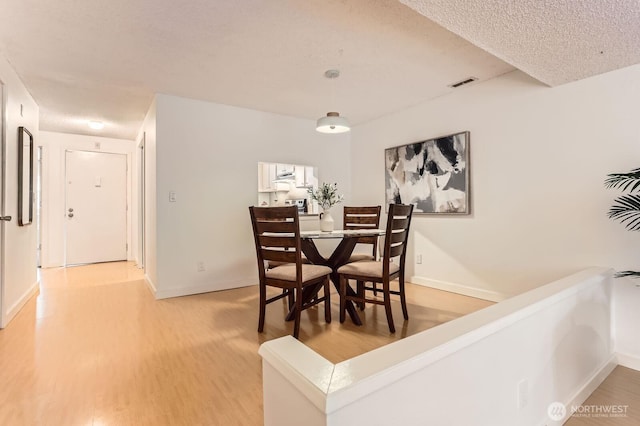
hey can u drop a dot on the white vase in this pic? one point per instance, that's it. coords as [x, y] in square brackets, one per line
[326, 221]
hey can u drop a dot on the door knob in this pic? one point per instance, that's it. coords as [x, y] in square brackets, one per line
[70, 215]
[70, 210]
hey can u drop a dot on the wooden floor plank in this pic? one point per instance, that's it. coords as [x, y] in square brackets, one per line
[95, 348]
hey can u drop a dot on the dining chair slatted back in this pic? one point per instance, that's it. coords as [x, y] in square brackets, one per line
[276, 233]
[362, 217]
[397, 232]
[395, 246]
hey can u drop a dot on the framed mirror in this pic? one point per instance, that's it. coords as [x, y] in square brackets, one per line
[25, 176]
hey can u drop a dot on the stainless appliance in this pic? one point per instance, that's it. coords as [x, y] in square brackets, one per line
[301, 204]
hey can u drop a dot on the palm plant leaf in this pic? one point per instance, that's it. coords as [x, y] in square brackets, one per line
[632, 274]
[626, 209]
[626, 181]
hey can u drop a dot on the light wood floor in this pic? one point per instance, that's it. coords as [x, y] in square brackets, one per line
[621, 390]
[95, 348]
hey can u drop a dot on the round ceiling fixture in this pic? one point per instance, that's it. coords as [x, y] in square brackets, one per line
[332, 123]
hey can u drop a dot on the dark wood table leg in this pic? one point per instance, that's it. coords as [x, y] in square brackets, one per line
[339, 257]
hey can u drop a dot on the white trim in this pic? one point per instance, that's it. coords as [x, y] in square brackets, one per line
[590, 385]
[13, 310]
[308, 371]
[151, 285]
[205, 288]
[3, 122]
[478, 293]
[628, 360]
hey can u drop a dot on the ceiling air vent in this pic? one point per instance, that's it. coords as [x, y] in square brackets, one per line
[463, 82]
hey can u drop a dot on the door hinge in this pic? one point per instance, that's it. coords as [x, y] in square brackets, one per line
[126, 247]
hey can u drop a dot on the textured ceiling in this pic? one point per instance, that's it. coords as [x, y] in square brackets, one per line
[104, 60]
[96, 59]
[554, 41]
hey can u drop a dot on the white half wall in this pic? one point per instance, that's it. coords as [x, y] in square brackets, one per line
[502, 365]
[53, 189]
[20, 265]
[208, 154]
[539, 157]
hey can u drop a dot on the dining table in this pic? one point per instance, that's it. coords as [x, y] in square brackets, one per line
[339, 256]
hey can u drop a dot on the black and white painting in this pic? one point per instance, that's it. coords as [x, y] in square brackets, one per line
[432, 175]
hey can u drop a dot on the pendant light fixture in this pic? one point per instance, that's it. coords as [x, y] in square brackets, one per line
[332, 123]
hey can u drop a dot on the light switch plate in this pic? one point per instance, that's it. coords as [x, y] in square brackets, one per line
[172, 196]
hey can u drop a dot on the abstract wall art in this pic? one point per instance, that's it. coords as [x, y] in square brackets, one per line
[433, 175]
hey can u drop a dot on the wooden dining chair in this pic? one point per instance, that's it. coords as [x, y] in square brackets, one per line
[276, 232]
[391, 266]
[366, 217]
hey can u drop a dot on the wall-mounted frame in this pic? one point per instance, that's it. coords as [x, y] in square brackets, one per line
[433, 175]
[25, 176]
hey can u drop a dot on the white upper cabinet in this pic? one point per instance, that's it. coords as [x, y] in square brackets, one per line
[280, 183]
[285, 171]
[266, 177]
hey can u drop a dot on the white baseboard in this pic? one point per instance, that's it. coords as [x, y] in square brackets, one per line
[582, 393]
[13, 310]
[198, 289]
[629, 361]
[478, 293]
[151, 285]
[591, 384]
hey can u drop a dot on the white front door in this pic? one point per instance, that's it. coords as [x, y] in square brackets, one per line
[96, 207]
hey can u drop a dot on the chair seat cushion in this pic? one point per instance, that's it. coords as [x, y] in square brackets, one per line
[366, 268]
[287, 272]
[357, 257]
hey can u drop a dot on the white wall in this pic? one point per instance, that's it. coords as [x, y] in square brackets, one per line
[626, 302]
[20, 279]
[539, 157]
[208, 154]
[554, 343]
[53, 201]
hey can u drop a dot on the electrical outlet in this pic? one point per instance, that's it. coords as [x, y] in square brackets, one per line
[172, 196]
[201, 267]
[523, 393]
[419, 259]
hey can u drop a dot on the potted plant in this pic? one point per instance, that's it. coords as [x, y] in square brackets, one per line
[626, 208]
[327, 196]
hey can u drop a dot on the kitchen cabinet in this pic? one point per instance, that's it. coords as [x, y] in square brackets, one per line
[280, 182]
[285, 171]
[300, 177]
[305, 177]
[266, 177]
